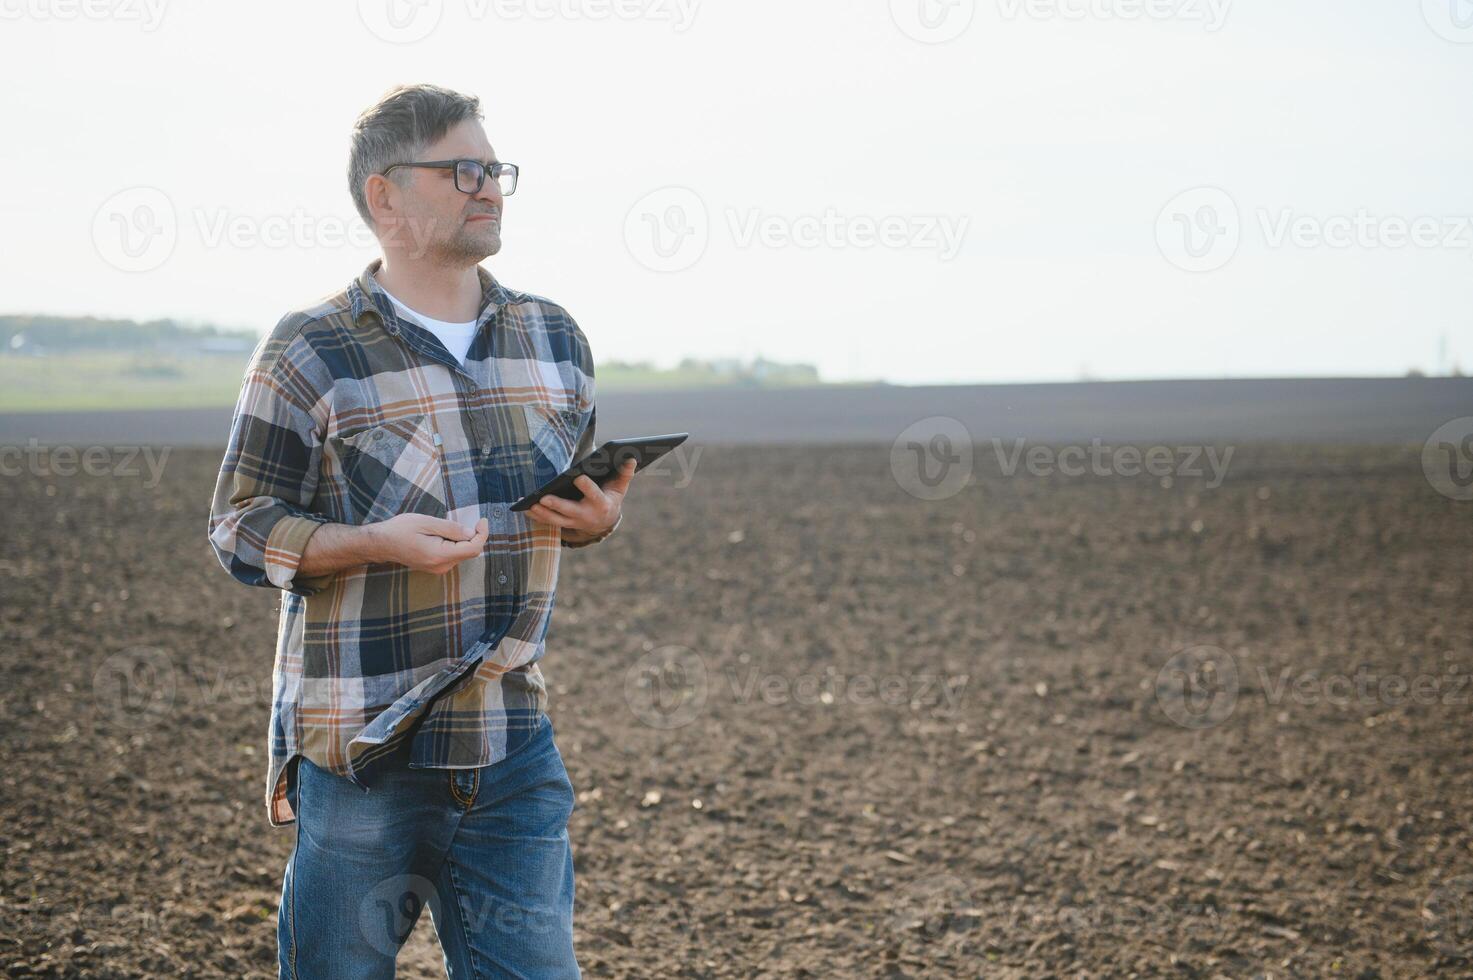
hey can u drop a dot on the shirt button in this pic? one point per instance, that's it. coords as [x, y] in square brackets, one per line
[485, 450]
[501, 579]
[498, 512]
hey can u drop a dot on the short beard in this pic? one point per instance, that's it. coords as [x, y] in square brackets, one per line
[467, 247]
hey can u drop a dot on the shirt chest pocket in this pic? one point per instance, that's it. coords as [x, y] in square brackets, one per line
[554, 431]
[393, 467]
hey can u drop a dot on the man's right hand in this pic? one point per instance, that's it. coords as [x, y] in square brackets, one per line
[420, 542]
[426, 544]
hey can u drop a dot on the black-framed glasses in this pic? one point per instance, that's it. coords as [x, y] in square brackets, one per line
[470, 175]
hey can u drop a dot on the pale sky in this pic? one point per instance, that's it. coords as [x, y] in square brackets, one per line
[915, 190]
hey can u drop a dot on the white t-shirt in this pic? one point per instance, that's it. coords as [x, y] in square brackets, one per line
[456, 337]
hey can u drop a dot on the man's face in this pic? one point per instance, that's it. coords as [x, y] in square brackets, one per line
[443, 221]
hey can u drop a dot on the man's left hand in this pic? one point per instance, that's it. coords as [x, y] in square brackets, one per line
[596, 512]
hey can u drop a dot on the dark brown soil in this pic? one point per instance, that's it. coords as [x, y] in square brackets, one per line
[926, 738]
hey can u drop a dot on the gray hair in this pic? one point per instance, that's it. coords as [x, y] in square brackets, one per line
[398, 127]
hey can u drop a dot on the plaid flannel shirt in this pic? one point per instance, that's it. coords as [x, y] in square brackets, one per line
[350, 414]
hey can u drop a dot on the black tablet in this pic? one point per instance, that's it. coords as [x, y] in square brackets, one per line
[602, 465]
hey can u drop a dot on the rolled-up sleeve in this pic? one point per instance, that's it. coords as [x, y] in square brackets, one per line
[260, 516]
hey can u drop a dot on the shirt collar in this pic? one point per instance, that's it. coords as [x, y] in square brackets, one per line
[367, 297]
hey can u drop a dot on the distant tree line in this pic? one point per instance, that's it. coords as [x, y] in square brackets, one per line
[757, 372]
[67, 333]
[40, 335]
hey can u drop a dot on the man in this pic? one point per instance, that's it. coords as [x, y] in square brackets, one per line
[379, 437]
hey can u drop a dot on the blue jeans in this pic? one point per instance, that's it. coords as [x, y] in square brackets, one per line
[486, 850]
